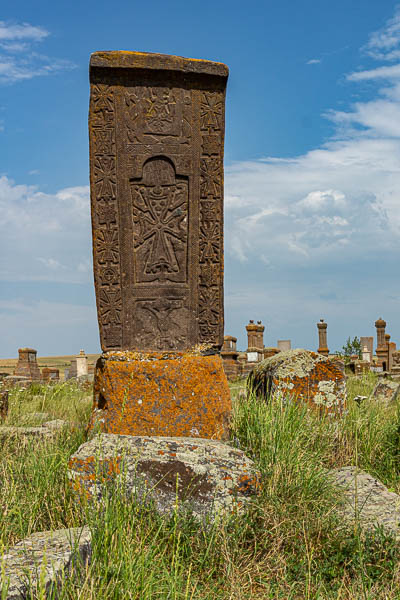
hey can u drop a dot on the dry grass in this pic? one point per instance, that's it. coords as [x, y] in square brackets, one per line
[287, 546]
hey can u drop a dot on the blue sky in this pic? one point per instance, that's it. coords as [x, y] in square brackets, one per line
[312, 161]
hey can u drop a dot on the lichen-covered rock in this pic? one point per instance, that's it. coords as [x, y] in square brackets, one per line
[301, 375]
[386, 391]
[42, 559]
[367, 501]
[204, 476]
[161, 393]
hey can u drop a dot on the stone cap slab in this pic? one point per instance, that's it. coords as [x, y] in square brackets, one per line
[149, 60]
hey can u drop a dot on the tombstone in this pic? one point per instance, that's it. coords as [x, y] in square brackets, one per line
[72, 370]
[322, 338]
[50, 374]
[391, 350]
[156, 129]
[366, 355]
[284, 345]
[81, 364]
[381, 347]
[229, 356]
[27, 364]
[395, 370]
[368, 342]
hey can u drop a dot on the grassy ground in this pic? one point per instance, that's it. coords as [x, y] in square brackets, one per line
[288, 545]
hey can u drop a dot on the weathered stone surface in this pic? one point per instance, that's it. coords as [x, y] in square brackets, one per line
[206, 476]
[386, 391]
[44, 557]
[367, 500]
[167, 394]
[301, 375]
[156, 129]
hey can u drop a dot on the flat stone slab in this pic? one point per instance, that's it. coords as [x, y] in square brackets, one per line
[44, 557]
[368, 500]
[386, 391]
[206, 476]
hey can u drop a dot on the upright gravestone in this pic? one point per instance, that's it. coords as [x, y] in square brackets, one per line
[156, 127]
[27, 365]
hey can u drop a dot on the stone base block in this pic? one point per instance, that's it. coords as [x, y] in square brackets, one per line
[204, 476]
[163, 394]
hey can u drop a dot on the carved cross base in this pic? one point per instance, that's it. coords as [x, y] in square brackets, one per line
[161, 394]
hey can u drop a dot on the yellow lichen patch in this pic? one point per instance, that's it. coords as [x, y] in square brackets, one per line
[162, 394]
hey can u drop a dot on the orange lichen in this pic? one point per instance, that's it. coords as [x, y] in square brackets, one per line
[162, 394]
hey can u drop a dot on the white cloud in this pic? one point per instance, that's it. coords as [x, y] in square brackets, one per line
[314, 61]
[47, 236]
[18, 61]
[384, 44]
[320, 232]
[24, 31]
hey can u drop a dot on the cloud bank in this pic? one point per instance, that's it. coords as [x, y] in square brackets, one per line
[18, 58]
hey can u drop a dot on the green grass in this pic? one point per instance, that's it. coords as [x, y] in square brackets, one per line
[288, 545]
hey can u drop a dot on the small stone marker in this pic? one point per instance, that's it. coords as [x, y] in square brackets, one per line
[27, 364]
[367, 501]
[41, 560]
[303, 376]
[284, 345]
[386, 391]
[81, 364]
[211, 475]
[368, 343]
[322, 338]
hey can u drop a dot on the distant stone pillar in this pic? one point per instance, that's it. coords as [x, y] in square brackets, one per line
[252, 330]
[81, 364]
[260, 335]
[381, 346]
[322, 338]
[255, 342]
[229, 356]
[27, 364]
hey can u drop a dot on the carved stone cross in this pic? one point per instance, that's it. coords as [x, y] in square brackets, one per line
[156, 128]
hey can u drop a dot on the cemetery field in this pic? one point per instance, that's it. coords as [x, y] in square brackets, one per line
[290, 544]
[7, 365]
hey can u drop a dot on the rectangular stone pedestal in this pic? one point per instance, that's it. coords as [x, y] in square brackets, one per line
[161, 394]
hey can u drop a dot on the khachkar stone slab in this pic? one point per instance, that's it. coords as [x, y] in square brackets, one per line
[204, 476]
[156, 128]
